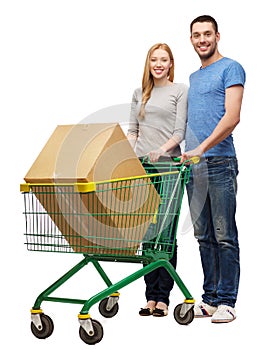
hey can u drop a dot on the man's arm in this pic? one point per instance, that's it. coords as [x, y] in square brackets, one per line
[227, 124]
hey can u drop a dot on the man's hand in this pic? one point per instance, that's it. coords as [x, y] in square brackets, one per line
[196, 152]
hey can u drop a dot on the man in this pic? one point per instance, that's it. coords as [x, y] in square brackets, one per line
[214, 105]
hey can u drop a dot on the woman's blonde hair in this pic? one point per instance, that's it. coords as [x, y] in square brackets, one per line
[147, 79]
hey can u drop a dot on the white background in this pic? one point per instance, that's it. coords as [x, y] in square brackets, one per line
[61, 62]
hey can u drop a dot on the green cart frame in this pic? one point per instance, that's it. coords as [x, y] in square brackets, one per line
[94, 220]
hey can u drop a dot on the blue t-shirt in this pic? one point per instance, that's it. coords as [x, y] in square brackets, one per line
[206, 104]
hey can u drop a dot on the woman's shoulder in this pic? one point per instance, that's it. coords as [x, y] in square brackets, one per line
[181, 86]
[179, 89]
[137, 91]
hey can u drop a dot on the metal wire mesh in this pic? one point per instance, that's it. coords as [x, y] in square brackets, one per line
[131, 217]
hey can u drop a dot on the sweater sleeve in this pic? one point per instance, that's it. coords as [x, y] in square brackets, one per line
[181, 115]
[133, 128]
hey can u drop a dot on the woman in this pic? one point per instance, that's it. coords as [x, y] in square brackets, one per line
[156, 129]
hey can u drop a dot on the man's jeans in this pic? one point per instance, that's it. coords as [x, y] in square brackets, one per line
[212, 199]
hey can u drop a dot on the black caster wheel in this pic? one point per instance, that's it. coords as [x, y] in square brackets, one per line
[187, 318]
[92, 339]
[108, 313]
[47, 327]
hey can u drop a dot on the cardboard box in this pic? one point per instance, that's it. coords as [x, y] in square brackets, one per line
[85, 153]
[112, 220]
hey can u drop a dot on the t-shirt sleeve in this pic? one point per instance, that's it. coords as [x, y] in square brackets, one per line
[235, 75]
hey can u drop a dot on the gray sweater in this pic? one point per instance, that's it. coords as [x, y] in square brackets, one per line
[165, 118]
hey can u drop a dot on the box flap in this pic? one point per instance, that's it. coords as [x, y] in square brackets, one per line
[77, 152]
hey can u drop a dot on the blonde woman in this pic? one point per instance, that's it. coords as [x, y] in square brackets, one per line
[156, 129]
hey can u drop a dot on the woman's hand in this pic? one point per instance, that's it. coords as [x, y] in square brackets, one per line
[155, 155]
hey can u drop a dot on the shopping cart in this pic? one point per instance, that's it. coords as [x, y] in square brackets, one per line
[130, 220]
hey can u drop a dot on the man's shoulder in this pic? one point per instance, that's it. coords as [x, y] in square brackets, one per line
[234, 72]
[230, 62]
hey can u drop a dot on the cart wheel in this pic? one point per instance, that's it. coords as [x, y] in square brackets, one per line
[47, 327]
[187, 318]
[108, 313]
[92, 339]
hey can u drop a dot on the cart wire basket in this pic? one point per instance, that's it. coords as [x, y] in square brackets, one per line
[131, 219]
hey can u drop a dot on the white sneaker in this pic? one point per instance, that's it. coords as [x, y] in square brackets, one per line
[204, 310]
[224, 314]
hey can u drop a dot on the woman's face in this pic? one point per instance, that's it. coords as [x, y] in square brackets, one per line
[160, 64]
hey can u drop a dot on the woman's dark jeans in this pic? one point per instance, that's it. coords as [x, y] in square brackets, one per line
[159, 282]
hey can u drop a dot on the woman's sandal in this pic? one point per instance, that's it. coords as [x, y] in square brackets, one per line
[160, 312]
[147, 311]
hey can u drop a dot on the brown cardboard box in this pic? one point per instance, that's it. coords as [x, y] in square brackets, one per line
[111, 221]
[85, 153]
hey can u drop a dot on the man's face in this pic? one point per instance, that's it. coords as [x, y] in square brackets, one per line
[204, 39]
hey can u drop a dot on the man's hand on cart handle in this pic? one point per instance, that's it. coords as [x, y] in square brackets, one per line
[193, 155]
[192, 160]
